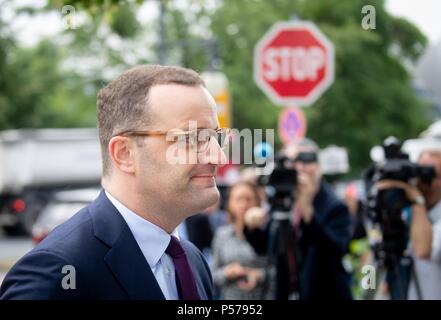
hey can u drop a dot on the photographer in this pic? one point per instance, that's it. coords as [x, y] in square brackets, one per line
[319, 235]
[425, 228]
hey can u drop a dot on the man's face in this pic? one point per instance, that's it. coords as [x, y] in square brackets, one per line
[188, 186]
[432, 192]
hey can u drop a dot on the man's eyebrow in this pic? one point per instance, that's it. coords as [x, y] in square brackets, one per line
[200, 128]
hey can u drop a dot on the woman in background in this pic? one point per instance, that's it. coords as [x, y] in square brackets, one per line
[238, 271]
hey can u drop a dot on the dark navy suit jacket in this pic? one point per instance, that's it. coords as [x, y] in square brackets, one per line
[108, 262]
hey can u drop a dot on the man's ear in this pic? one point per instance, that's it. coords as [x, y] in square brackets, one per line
[122, 154]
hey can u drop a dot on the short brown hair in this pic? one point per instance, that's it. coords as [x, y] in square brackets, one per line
[121, 105]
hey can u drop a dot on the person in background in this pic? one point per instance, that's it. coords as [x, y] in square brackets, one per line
[359, 253]
[238, 271]
[216, 216]
[357, 210]
[425, 228]
[321, 231]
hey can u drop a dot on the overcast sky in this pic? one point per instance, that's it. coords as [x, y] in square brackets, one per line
[424, 13]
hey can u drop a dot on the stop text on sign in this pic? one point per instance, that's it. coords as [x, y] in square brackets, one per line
[297, 63]
[294, 63]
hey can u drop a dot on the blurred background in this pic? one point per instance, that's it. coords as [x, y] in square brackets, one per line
[55, 55]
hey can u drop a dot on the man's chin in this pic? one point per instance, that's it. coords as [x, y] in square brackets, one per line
[205, 197]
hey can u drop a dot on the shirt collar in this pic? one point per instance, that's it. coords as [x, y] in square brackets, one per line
[152, 240]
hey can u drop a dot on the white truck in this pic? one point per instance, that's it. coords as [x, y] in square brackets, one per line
[34, 163]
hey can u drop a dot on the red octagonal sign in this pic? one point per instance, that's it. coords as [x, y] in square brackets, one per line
[294, 63]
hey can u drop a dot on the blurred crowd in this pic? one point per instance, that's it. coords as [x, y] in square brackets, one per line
[322, 249]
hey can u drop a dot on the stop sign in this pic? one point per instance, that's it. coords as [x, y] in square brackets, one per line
[294, 63]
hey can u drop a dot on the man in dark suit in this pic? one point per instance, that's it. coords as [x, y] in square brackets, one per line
[155, 174]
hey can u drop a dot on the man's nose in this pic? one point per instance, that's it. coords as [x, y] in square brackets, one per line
[214, 154]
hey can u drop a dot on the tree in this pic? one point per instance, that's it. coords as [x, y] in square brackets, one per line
[372, 96]
[45, 86]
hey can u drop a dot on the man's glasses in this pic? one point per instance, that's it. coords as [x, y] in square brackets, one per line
[196, 140]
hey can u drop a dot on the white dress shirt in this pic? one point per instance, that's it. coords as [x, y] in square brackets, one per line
[153, 241]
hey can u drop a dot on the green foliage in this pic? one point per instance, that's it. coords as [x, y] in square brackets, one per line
[123, 21]
[38, 90]
[371, 97]
[37, 94]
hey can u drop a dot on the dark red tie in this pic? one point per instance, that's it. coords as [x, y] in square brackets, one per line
[185, 282]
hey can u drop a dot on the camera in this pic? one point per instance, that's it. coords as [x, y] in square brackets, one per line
[282, 181]
[280, 184]
[386, 207]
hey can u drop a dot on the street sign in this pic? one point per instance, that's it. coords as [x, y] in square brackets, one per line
[294, 63]
[292, 125]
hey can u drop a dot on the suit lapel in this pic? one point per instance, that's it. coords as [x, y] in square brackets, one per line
[129, 266]
[124, 257]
